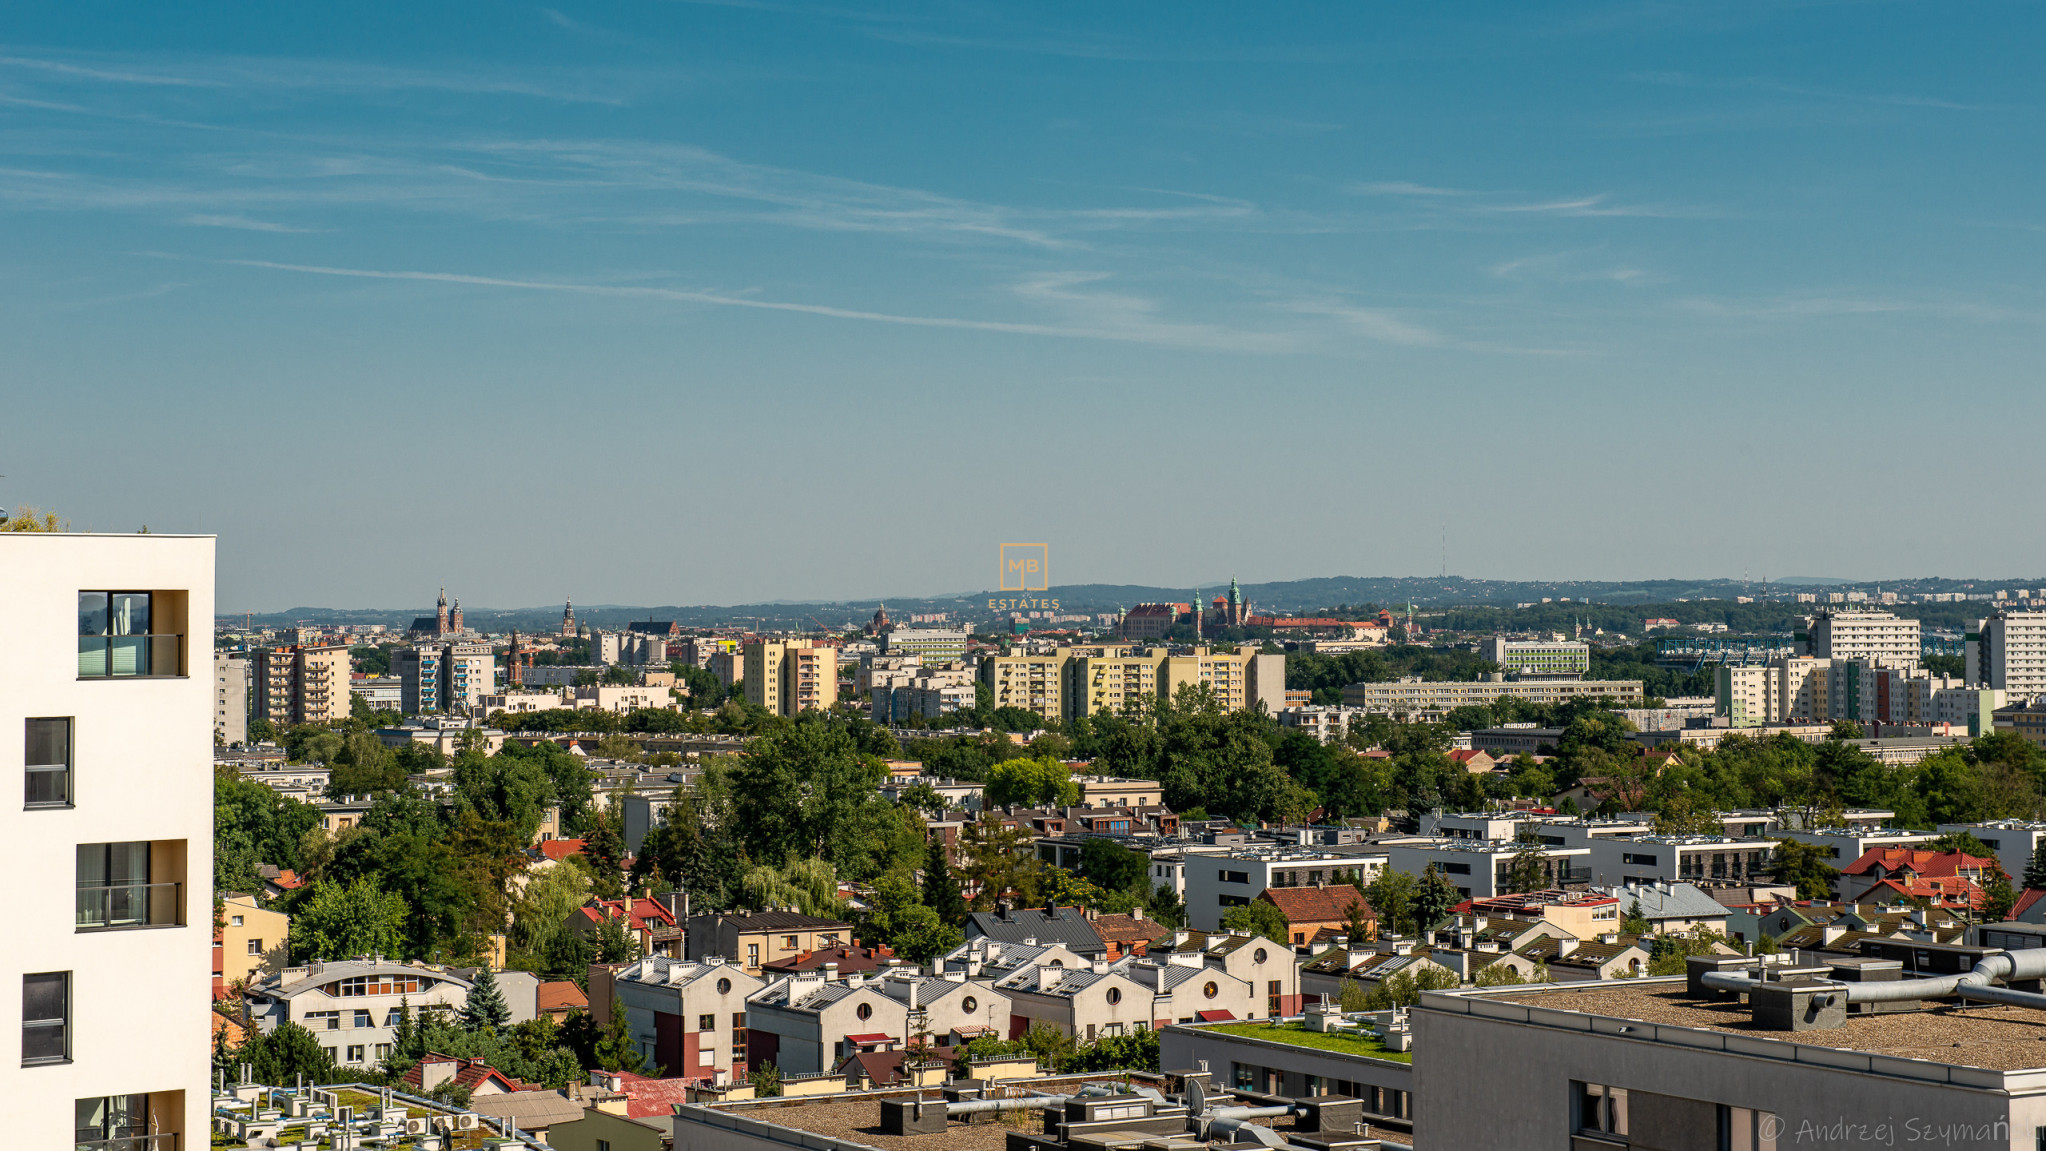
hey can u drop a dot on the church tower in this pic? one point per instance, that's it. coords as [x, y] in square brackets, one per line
[568, 619]
[440, 614]
[455, 618]
[1237, 611]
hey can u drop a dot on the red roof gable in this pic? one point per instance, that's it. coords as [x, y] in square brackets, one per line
[647, 1098]
[471, 1073]
[638, 914]
[2025, 901]
[1925, 863]
[560, 849]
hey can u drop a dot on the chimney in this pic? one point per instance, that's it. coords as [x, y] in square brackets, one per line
[1137, 913]
[830, 972]
[1565, 946]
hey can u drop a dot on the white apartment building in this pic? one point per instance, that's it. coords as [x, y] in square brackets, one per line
[1327, 723]
[1679, 858]
[352, 1006]
[1877, 636]
[1212, 884]
[230, 698]
[688, 1018]
[2013, 840]
[1537, 659]
[2007, 651]
[1479, 869]
[106, 658]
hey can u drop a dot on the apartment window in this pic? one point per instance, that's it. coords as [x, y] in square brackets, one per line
[1744, 1129]
[706, 1023]
[1233, 900]
[363, 1019]
[355, 1053]
[1599, 1110]
[255, 947]
[46, 1018]
[738, 1021]
[753, 955]
[48, 763]
[1233, 876]
[114, 889]
[234, 921]
[1634, 857]
[321, 1021]
[383, 1052]
[603, 1145]
[792, 942]
[108, 1119]
[115, 637]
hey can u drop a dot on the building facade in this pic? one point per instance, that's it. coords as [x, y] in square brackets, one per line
[1538, 659]
[106, 660]
[1412, 695]
[790, 677]
[1877, 636]
[449, 678]
[2007, 651]
[230, 698]
[301, 684]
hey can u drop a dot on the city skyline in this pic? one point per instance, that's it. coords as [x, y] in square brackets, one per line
[751, 302]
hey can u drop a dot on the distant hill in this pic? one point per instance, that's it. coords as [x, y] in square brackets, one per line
[1291, 596]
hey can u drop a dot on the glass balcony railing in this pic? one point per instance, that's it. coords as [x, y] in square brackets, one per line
[167, 1141]
[129, 905]
[111, 656]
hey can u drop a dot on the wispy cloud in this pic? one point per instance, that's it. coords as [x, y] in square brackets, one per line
[1474, 202]
[1575, 267]
[1404, 188]
[108, 75]
[1377, 324]
[242, 222]
[1108, 316]
[1798, 307]
[1774, 87]
[305, 75]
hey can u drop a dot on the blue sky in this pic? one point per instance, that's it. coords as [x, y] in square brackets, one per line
[725, 302]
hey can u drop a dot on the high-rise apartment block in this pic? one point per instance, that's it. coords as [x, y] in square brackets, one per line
[106, 660]
[445, 678]
[1538, 659]
[931, 644]
[301, 684]
[2007, 652]
[1112, 677]
[230, 698]
[1879, 637]
[786, 677]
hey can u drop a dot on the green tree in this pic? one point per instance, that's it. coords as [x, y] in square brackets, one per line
[615, 943]
[808, 885]
[337, 921]
[940, 890]
[1635, 923]
[1529, 869]
[998, 862]
[615, 1050]
[766, 1080]
[1357, 925]
[1844, 729]
[1404, 988]
[1432, 901]
[1998, 897]
[1392, 895]
[918, 935]
[485, 1009]
[2035, 870]
[1804, 864]
[1031, 782]
[1260, 918]
[284, 1054]
[1111, 865]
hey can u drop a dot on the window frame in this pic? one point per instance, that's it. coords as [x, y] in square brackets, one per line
[146, 653]
[61, 1025]
[64, 771]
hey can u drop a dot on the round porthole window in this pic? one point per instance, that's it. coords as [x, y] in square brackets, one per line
[865, 1011]
[969, 1004]
[1211, 991]
[1114, 996]
[724, 987]
[1259, 956]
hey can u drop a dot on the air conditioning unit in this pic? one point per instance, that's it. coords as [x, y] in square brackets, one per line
[467, 1121]
[416, 1125]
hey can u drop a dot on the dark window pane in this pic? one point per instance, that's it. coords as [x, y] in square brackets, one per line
[49, 742]
[92, 613]
[40, 1044]
[44, 996]
[50, 787]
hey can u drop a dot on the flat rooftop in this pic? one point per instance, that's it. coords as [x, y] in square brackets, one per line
[1992, 1037]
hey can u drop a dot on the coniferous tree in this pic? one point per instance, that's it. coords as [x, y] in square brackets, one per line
[486, 1009]
[2035, 871]
[941, 891]
[614, 1048]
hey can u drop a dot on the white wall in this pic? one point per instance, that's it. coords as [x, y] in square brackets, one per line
[142, 756]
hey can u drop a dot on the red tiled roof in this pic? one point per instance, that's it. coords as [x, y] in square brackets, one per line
[1214, 1016]
[848, 959]
[558, 994]
[560, 849]
[639, 914]
[1129, 929]
[470, 1073]
[1923, 863]
[1941, 891]
[1465, 755]
[647, 1098]
[2025, 901]
[1316, 904]
[871, 1037]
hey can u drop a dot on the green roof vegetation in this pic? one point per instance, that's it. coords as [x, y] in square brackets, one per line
[1300, 1036]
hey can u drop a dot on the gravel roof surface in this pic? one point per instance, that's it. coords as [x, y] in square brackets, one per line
[1993, 1037]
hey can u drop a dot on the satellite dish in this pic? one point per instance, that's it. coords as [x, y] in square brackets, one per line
[1196, 1095]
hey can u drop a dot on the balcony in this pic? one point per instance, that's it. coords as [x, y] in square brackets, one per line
[167, 1141]
[130, 656]
[127, 906]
